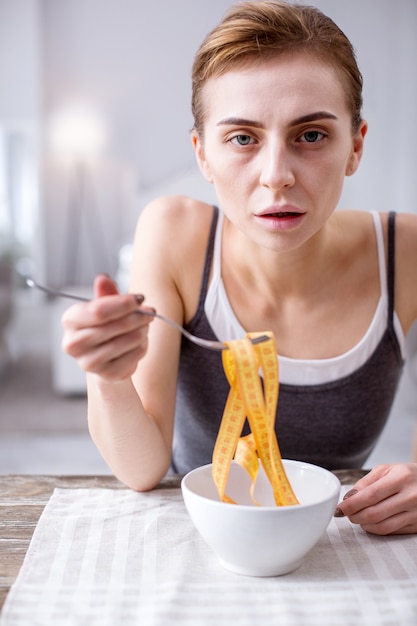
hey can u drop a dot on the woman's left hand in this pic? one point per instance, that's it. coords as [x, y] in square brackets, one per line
[384, 501]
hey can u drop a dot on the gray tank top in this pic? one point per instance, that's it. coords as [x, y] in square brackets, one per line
[335, 425]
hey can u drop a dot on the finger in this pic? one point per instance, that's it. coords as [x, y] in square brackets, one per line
[110, 356]
[357, 501]
[130, 329]
[381, 483]
[102, 311]
[374, 513]
[121, 368]
[403, 523]
[104, 286]
[379, 471]
[385, 505]
[374, 487]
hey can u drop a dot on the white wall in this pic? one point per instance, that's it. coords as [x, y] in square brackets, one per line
[19, 61]
[131, 61]
[20, 87]
[383, 34]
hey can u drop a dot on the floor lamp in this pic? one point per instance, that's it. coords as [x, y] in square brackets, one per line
[77, 134]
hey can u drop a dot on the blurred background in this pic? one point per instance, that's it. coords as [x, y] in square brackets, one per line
[94, 121]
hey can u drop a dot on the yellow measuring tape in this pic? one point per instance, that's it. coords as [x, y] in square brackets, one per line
[241, 362]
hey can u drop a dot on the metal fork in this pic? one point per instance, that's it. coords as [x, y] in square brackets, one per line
[204, 343]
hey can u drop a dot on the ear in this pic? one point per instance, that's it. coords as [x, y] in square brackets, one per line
[357, 149]
[200, 155]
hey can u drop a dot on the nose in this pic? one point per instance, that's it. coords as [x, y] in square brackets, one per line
[277, 170]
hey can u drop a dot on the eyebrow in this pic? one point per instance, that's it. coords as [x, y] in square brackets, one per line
[311, 117]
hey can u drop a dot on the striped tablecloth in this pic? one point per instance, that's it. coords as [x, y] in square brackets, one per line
[103, 557]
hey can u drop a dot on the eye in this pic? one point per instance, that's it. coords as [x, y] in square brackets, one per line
[241, 140]
[311, 136]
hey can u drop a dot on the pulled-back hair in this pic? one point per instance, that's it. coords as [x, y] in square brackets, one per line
[253, 32]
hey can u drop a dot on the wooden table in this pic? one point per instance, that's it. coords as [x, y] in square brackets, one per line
[23, 498]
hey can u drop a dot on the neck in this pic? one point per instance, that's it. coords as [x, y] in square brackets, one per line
[278, 274]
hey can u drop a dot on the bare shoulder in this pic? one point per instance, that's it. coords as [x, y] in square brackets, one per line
[173, 219]
[406, 236]
[405, 265]
[174, 209]
[358, 224]
[406, 268]
[169, 250]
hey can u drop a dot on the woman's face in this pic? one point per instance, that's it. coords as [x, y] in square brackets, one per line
[277, 145]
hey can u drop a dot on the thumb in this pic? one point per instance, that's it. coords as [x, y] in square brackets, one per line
[104, 286]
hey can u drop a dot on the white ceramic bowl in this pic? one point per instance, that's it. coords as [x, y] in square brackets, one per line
[266, 540]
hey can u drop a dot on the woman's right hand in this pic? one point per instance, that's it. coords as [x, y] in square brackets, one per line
[106, 336]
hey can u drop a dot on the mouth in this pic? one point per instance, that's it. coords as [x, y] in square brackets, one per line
[280, 214]
[278, 220]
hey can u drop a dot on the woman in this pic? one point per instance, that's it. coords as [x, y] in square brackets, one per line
[277, 127]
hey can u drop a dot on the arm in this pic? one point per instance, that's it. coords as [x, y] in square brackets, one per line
[414, 447]
[385, 500]
[132, 364]
[108, 337]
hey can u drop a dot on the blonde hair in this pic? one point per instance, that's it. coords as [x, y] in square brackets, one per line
[253, 32]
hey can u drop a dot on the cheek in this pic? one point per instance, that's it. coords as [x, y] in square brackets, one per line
[331, 190]
[322, 182]
[334, 167]
[224, 172]
[232, 190]
[233, 182]
[233, 169]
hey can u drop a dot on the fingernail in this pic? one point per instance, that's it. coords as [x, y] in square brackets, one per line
[139, 298]
[350, 493]
[339, 513]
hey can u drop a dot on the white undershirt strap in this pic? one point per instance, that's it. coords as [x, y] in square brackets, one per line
[303, 371]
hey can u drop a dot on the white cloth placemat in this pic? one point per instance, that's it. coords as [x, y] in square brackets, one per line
[102, 557]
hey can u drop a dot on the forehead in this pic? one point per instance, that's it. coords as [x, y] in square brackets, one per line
[284, 85]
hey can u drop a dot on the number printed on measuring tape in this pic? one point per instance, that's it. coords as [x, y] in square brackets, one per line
[247, 398]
